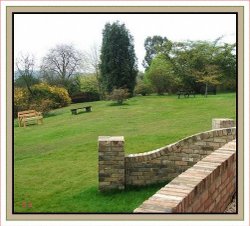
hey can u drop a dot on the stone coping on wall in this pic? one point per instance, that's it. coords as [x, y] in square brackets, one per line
[147, 156]
[208, 186]
[116, 171]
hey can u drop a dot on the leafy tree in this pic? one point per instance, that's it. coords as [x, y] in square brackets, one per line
[89, 83]
[161, 75]
[143, 85]
[61, 64]
[74, 84]
[118, 61]
[225, 59]
[143, 88]
[153, 46]
[188, 57]
[185, 60]
[209, 75]
[19, 81]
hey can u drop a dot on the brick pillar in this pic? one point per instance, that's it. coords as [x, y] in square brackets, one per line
[218, 123]
[111, 163]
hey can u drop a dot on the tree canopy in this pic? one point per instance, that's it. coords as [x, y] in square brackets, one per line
[161, 74]
[153, 46]
[191, 59]
[118, 65]
[61, 64]
[25, 70]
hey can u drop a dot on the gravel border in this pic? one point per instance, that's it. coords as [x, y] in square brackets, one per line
[231, 208]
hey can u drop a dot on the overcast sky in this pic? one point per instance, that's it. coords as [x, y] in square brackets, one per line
[37, 33]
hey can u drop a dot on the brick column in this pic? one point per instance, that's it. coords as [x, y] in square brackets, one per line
[218, 123]
[111, 163]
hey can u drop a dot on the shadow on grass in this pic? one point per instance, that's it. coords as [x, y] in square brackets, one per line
[91, 200]
[81, 112]
[117, 104]
[133, 188]
[33, 123]
[50, 114]
[27, 125]
[115, 201]
[15, 123]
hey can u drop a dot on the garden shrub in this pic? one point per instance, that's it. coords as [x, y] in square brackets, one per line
[43, 98]
[161, 75]
[143, 88]
[58, 95]
[119, 95]
[21, 100]
[42, 105]
[89, 84]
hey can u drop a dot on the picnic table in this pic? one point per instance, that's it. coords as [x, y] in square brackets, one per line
[185, 93]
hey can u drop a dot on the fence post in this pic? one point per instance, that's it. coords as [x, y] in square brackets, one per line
[111, 163]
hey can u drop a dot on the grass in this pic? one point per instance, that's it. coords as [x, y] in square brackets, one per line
[55, 164]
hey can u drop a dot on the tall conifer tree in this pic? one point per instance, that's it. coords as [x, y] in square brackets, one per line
[118, 61]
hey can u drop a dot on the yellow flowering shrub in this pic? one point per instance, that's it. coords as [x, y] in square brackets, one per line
[42, 105]
[21, 100]
[58, 95]
[43, 98]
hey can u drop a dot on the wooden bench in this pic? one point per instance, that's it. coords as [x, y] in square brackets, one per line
[186, 94]
[75, 110]
[28, 116]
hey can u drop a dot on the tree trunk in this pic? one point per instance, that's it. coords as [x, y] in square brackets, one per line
[28, 85]
[206, 90]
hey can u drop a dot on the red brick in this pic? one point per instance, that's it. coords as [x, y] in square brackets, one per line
[223, 192]
[172, 193]
[201, 209]
[159, 205]
[214, 195]
[218, 182]
[218, 199]
[176, 189]
[143, 210]
[189, 210]
[229, 188]
[179, 208]
[211, 207]
[204, 196]
[212, 188]
[208, 203]
[196, 205]
[223, 177]
[216, 209]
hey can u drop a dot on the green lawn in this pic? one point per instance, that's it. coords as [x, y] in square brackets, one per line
[56, 163]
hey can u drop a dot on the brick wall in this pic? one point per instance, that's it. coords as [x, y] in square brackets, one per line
[207, 187]
[168, 162]
[117, 170]
[111, 163]
[218, 123]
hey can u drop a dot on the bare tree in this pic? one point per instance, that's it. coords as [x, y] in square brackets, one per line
[93, 59]
[61, 64]
[25, 66]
